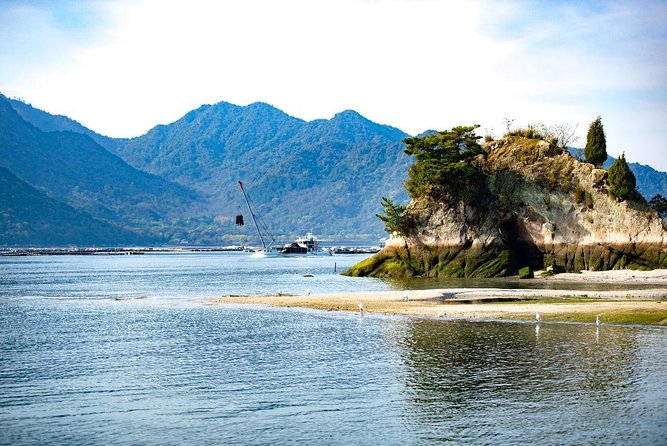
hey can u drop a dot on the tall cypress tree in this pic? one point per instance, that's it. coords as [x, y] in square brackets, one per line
[622, 182]
[595, 151]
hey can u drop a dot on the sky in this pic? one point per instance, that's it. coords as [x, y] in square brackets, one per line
[121, 67]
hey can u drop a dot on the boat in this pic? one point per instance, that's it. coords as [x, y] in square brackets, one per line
[306, 245]
[266, 250]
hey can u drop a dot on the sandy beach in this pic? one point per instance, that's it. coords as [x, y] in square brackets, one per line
[627, 306]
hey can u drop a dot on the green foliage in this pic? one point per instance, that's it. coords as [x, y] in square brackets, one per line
[659, 204]
[595, 151]
[622, 182]
[443, 159]
[393, 217]
[526, 273]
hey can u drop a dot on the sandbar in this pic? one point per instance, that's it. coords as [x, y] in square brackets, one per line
[647, 306]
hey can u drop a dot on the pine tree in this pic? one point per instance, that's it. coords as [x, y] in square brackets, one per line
[393, 217]
[622, 182]
[444, 160]
[595, 151]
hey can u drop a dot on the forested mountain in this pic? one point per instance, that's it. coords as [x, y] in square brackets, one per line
[29, 217]
[326, 175]
[73, 169]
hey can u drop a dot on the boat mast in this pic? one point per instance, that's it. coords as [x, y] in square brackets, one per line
[252, 214]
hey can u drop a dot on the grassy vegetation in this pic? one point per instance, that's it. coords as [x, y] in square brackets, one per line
[634, 317]
[562, 300]
[642, 316]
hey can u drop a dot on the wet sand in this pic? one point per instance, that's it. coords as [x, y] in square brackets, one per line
[628, 306]
[624, 276]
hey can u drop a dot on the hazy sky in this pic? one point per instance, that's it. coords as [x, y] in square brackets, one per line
[122, 67]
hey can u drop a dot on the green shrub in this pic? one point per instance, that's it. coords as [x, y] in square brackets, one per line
[622, 182]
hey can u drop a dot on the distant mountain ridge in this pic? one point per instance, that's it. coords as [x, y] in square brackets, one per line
[74, 170]
[178, 183]
[47, 122]
[325, 175]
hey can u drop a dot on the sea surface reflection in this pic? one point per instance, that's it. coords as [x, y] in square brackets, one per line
[513, 383]
[148, 372]
[127, 349]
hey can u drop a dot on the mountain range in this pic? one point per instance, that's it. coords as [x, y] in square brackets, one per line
[178, 183]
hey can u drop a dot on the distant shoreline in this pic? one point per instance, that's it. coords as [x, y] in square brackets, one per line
[22, 252]
[627, 306]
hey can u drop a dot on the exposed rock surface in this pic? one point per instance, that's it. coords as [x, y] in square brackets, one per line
[542, 207]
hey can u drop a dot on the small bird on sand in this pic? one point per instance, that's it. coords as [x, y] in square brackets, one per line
[361, 306]
[538, 318]
[406, 298]
[597, 320]
[307, 292]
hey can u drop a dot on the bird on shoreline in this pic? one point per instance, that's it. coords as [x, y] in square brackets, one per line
[538, 318]
[361, 306]
[597, 320]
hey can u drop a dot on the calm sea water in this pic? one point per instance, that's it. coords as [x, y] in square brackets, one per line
[82, 361]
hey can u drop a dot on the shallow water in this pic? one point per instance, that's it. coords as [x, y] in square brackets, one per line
[78, 366]
[176, 275]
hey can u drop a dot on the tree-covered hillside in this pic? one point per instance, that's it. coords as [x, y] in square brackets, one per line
[73, 169]
[29, 217]
[326, 175]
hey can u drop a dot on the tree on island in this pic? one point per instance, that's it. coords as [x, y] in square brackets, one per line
[595, 151]
[622, 182]
[443, 159]
[659, 204]
[393, 218]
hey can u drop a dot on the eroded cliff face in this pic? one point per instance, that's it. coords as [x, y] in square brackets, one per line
[541, 207]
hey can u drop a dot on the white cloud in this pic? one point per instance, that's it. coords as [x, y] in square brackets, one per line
[414, 64]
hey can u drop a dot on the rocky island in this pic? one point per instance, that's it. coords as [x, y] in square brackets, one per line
[491, 209]
[508, 206]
